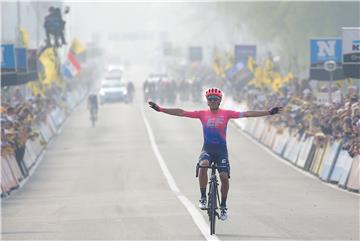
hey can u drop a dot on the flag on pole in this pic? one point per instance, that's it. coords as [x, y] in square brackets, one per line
[68, 70]
[24, 35]
[49, 61]
[72, 59]
[77, 47]
[250, 64]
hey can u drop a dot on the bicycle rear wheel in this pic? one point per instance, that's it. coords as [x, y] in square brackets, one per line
[212, 207]
[93, 121]
[93, 117]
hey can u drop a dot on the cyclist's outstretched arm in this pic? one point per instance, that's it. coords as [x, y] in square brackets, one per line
[257, 113]
[170, 111]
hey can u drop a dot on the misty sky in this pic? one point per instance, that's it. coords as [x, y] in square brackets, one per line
[184, 24]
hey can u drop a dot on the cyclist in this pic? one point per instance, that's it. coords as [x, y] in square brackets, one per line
[214, 122]
[92, 105]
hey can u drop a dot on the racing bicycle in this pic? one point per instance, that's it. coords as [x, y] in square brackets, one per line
[213, 195]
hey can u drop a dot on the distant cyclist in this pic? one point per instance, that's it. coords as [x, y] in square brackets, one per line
[92, 105]
[214, 122]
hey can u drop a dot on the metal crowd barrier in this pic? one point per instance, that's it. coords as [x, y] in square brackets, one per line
[328, 161]
[11, 175]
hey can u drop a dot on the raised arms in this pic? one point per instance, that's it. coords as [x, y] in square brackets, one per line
[272, 111]
[257, 113]
[170, 111]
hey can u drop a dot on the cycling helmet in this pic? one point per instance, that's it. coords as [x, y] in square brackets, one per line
[213, 91]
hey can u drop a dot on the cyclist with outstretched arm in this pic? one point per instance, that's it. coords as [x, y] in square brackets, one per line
[214, 122]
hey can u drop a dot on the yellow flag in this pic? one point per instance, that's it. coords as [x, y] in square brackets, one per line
[339, 83]
[229, 60]
[277, 83]
[269, 65]
[217, 68]
[288, 77]
[24, 35]
[49, 60]
[77, 47]
[250, 64]
[36, 88]
[258, 76]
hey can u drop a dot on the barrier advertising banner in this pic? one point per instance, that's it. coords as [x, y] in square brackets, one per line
[351, 52]
[325, 59]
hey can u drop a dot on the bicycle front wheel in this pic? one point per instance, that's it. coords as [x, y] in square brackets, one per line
[212, 207]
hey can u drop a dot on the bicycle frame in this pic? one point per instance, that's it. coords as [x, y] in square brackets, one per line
[213, 195]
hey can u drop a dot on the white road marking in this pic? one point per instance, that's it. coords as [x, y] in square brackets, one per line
[194, 212]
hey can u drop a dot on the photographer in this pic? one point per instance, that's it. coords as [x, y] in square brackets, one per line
[55, 25]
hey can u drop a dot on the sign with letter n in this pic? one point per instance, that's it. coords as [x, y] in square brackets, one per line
[351, 52]
[322, 51]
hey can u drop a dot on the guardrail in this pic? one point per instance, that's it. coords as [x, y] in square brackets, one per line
[12, 177]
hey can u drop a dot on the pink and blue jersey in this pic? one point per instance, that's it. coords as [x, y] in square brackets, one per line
[214, 123]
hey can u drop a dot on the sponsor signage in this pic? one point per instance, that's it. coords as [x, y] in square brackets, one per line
[21, 60]
[8, 58]
[32, 62]
[351, 52]
[325, 59]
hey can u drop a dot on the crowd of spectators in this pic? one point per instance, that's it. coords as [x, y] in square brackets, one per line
[19, 118]
[304, 115]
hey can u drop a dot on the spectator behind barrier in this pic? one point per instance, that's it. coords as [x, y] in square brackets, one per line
[18, 118]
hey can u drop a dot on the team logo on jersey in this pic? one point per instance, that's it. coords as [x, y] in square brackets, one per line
[215, 122]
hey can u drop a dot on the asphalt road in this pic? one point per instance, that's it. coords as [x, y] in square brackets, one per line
[106, 183]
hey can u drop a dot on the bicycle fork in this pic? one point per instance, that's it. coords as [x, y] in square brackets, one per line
[214, 181]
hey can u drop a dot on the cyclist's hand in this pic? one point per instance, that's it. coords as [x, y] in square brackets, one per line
[275, 110]
[154, 106]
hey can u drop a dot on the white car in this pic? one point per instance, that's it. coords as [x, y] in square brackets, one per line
[113, 91]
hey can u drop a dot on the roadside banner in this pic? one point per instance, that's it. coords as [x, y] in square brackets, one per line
[346, 167]
[323, 51]
[8, 58]
[304, 153]
[32, 60]
[354, 177]
[318, 157]
[21, 60]
[329, 161]
[351, 52]
[340, 166]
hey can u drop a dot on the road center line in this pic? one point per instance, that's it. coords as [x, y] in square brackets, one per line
[194, 212]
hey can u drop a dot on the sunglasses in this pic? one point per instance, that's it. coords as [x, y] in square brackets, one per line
[213, 98]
